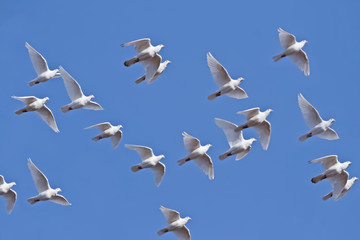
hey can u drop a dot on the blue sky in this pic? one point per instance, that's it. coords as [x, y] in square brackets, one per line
[266, 195]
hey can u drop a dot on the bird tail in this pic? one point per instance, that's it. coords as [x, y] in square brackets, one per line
[97, 138]
[326, 197]
[136, 168]
[182, 161]
[278, 57]
[225, 155]
[32, 200]
[140, 79]
[214, 95]
[130, 62]
[318, 178]
[64, 109]
[20, 111]
[162, 231]
[304, 137]
[33, 82]
[241, 127]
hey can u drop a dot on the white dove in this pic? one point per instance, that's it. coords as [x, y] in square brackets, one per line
[9, 194]
[257, 119]
[43, 187]
[293, 49]
[175, 224]
[238, 145]
[312, 118]
[334, 171]
[149, 160]
[198, 154]
[153, 69]
[79, 100]
[34, 104]
[227, 85]
[145, 51]
[336, 182]
[108, 130]
[41, 67]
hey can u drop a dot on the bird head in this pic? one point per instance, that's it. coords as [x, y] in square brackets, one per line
[57, 73]
[252, 140]
[119, 126]
[240, 79]
[304, 42]
[159, 47]
[167, 62]
[12, 184]
[208, 146]
[58, 190]
[162, 156]
[354, 179]
[91, 97]
[347, 163]
[187, 219]
[331, 120]
[46, 99]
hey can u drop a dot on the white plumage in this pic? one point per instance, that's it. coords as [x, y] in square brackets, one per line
[108, 130]
[8, 194]
[176, 224]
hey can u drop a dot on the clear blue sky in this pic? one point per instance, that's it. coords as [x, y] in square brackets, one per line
[266, 195]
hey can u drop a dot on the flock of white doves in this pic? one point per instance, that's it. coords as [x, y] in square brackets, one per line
[151, 61]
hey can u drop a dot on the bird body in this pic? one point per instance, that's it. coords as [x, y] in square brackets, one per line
[108, 130]
[158, 72]
[176, 224]
[37, 105]
[293, 49]
[9, 195]
[41, 67]
[226, 84]
[347, 187]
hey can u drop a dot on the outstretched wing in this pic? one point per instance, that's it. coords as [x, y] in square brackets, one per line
[101, 126]
[151, 65]
[72, 86]
[205, 164]
[301, 61]
[310, 114]
[27, 100]
[329, 134]
[115, 140]
[48, 117]
[38, 61]
[182, 233]
[140, 44]
[338, 183]
[93, 106]
[218, 72]
[286, 39]
[159, 171]
[144, 152]
[169, 214]
[40, 180]
[237, 93]
[59, 199]
[264, 131]
[190, 142]
[229, 130]
[249, 113]
[10, 198]
[326, 161]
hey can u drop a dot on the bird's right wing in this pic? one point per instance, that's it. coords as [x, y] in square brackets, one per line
[151, 66]
[46, 115]
[59, 199]
[169, 214]
[249, 113]
[329, 134]
[326, 161]
[237, 93]
[191, 143]
[229, 130]
[219, 73]
[38, 61]
[101, 126]
[301, 61]
[140, 44]
[27, 100]
[93, 106]
[205, 164]
[72, 86]
[242, 154]
[40, 180]
[338, 183]
[183, 233]
[10, 198]
[144, 152]
[115, 140]
[310, 114]
[286, 39]
[264, 131]
[159, 171]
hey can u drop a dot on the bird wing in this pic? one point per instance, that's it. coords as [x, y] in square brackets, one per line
[229, 130]
[40, 180]
[151, 65]
[242, 154]
[329, 134]
[286, 39]
[264, 131]
[144, 152]
[10, 198]
[237, 93]
[72, 86]
[326, 161]
[301, 61]
[190, 142]
[159, 171]
[249, 113]
[338, 183]
[115, 140]
[93, 106]
[310, 114]
[48, 117]
[2, 180]
[169, 214]
[59, 199]
[38, 61]
[205, 164]
[101, 126]
[27, 100]
[219, 73]
[140, 44]
[182, 233]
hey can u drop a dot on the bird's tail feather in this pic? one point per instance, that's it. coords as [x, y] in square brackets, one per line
[326, 197]
[182, 161]
[33, 82]
[136, 168]
[162, 231]
[278, 57]
[32, 200]
[214, 95]
[130, 62]
[304, 137]
[20, 111]
[140, 79]
[97, 138]
[318, 178]
[64, 109]
[225, 155]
